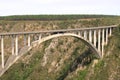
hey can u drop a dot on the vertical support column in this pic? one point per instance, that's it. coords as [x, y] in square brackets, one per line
[80, 33]
[24, 40]
[99, 40]
[85, 35]
[95, 38]
[90, 35]
[16, 44]
[103, 42]
[110, 31]
[29, 40]
[13, 48]
[106, 39]
[2, 51]
[39, 36]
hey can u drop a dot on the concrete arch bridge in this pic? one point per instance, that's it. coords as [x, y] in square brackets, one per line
[95, 38]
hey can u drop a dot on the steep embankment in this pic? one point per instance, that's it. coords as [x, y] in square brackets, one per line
[63, 58]
[107, 68]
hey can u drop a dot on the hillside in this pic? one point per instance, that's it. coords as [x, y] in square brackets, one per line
[65, 58]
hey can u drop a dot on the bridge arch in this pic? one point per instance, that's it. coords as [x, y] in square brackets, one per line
[90, 45]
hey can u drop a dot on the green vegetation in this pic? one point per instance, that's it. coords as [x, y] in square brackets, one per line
[82, 75]
[52, 17]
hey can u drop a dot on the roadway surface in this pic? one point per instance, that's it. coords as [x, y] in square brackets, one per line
[56, 31]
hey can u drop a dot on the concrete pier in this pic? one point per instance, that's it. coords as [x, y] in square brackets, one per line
[106, 39]
[110, 31]
[16, 44]
[28, 40]
[13, 45]
[2, 51]
[103, 40]
[90, 36]
[85, 35]
[95, 38]
[99, 41]
[40, 36]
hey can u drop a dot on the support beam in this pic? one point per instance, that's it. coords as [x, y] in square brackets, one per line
[28, 40]
[16, 44]
[99, 35]
[106, 39]
[13, 45]
[85, 35]
[79, 33]
[25, 40]
[95, 38]
[103, 40]
[2, 51]
[40, 36]
[110, 31]
[90, 35]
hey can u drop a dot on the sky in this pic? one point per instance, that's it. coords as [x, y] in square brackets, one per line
[37, 7]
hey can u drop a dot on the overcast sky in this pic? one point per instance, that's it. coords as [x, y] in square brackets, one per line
[20, 7]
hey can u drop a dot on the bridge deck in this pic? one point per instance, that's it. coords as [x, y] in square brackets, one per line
[55, 31]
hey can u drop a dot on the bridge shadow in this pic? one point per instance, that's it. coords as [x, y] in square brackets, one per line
[82, 60]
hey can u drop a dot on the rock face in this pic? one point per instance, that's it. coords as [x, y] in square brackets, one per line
[48, 51]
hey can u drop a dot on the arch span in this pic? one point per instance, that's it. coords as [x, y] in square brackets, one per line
[90, 45]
